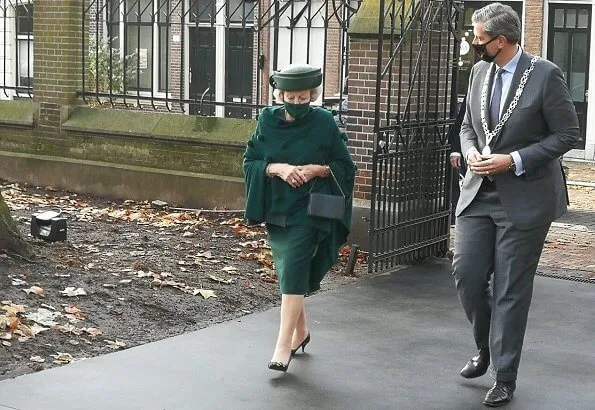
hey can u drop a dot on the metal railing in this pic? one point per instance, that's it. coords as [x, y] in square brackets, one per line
[415, 106]
[16, 37]
[207, 57]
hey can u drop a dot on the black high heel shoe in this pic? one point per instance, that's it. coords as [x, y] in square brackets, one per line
[280, 367]
[302, 345]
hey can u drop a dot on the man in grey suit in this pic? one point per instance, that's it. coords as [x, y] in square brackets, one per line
[519, 121]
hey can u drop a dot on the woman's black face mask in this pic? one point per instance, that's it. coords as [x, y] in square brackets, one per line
[480, 49]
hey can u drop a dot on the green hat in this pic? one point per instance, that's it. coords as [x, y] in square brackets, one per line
[297, 77]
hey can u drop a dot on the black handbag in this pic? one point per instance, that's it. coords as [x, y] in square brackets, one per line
[325, 205]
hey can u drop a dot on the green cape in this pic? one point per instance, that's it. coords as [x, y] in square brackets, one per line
[312, 139]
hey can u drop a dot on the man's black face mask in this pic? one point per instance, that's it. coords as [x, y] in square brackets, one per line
[480, 49]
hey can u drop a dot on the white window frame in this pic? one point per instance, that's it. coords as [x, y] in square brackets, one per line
[220, 52]
[29, 38]
[155, 77]
[11, 78]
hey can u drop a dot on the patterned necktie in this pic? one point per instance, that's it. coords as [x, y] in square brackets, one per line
[496, 97]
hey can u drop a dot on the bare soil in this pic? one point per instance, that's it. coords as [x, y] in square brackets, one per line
[145, 274]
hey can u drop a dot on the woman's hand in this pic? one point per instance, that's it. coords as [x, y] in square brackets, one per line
[312, 171]
[296, 176]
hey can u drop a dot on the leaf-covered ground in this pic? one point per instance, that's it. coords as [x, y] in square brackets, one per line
[127, 275]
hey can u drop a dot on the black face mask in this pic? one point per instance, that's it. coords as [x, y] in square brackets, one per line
[480, 49]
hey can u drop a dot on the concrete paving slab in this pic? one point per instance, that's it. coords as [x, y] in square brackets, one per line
[393, 342]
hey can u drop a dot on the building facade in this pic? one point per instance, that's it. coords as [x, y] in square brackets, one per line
[202, 57]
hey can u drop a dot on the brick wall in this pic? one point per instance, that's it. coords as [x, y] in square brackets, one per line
[57, 55]
[413, 96]
[533, 26]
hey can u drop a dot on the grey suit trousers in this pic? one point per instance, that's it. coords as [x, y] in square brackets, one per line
[494, 267]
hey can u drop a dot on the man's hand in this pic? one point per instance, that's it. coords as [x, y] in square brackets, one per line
[474, 156]
[455, 161]
[489, 164]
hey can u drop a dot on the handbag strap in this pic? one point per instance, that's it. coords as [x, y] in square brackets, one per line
[336, 182]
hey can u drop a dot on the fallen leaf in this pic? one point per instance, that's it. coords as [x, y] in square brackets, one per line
[115, 345]
[232, 221]
[216, 235]
[220, 280]
[72, 292]
[12, 310]
[34, 289]
[37, 359]
[143, 274]
[6, 343]
[126, 281]
[205, 254]
[92, 331]
[163, 283]
[205, 293]
[62, 358]
[36, 329]
[229, 269]
[269, 278]
[64, 328]
[18, 282]
[5, 336]
[76, 312]
[44, 317]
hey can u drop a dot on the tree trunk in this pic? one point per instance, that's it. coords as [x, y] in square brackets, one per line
[10, 238]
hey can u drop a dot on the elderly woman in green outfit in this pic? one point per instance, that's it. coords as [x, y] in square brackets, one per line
[297, 149]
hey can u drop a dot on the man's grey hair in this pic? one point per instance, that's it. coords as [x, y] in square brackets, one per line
[499, 20]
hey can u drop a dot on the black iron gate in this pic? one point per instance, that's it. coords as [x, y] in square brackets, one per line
[415, 106]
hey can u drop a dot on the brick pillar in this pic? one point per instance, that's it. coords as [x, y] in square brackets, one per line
[533, 26]
[57, 60]
[361, 105]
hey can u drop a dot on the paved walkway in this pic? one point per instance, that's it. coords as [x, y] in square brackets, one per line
[393, 342]
[579, 218]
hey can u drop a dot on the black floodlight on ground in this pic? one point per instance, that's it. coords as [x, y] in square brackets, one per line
[48, 226]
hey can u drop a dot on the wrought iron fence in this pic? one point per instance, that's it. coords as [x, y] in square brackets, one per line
[16, 38]
[415, 105]
[207, 57]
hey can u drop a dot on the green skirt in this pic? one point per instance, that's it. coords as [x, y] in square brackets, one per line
[295, 250]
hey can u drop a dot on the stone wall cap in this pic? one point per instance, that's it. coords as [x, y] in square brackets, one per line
[17, 113]
[165, 126]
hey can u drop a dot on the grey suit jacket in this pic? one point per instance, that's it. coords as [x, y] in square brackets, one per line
[542, 128]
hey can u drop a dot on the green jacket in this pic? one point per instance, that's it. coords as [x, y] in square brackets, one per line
[312, 139]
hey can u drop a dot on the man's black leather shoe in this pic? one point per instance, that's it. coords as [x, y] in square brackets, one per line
[500, 394]
[477, 366]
